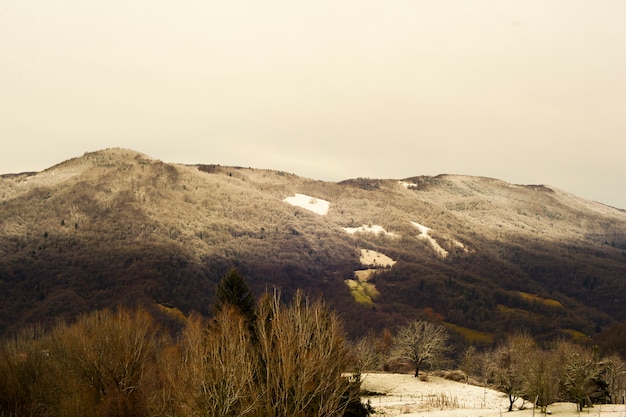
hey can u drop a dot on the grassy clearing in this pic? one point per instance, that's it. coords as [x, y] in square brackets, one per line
[362, 292]
[173, 312]
[364, 275]
[575, 334]
[535, 298]
[471, 335]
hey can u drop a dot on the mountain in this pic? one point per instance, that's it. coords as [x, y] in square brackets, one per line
[483, 256]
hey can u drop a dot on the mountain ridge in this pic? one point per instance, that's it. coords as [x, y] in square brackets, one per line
[116, 226]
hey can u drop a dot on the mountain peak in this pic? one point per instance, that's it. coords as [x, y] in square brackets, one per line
[118, 227]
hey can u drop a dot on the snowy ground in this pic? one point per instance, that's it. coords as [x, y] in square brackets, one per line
[405, 395]
[375, 229]
[376, 259]
[321, 207]
[316, 205]
[424, 235]
[407, 184]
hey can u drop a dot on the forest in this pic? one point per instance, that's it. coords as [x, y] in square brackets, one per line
[116, 227]
[115, 246]
[268, 357]
[279, 359]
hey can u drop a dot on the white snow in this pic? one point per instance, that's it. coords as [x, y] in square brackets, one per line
[376, 229]
[376, 259]
[423, 229]
[407, 396]
[424, 235]
[407, 184]
[316, 205]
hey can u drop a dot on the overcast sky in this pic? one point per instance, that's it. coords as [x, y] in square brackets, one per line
[530, 92]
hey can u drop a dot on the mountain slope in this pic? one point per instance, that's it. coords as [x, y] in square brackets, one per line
[116, 226]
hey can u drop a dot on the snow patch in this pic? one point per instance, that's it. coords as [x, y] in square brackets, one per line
[376, 259]
[408, 184]
[316, 205]
[407, 396]
[424, 235]
[376, 229]
[423, 229]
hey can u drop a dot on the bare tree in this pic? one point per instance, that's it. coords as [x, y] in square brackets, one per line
[288, 363]
[470, 364]
[508, 365]
[363, 357]
[420, 342]
[580, 371]
[614, 374]
[108, 354]
[26, 374]
[542, 378]
[302, 355]
[217, 372]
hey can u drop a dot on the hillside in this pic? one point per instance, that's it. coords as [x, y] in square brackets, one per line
[482, 255]
[404, 395]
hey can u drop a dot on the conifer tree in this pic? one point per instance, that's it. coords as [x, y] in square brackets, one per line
[233, 291]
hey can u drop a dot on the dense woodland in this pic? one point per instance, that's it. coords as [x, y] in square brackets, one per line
[116, 227]
[269, 359]
[273, 359]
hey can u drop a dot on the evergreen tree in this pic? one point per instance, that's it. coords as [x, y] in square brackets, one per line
[233, 291]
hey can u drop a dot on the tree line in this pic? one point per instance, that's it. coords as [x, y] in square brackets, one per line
[267, 358]
[518, 366]
[561, 371]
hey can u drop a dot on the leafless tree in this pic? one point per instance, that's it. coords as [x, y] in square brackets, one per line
[363, 357]
[217, 370]
[25, 374]
[469, 363]
[542, 378]
[508, 366]
[580, 370]
[108, 353]
[420, 342]
[302, 355]
[614, 374]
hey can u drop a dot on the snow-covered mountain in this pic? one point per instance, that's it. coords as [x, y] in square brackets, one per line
[481, 255]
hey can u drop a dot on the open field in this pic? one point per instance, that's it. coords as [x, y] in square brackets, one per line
[405, 395]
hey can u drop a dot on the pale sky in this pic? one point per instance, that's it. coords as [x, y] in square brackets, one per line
[530, 92]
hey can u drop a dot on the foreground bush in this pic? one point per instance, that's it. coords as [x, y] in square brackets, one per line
[287, 362]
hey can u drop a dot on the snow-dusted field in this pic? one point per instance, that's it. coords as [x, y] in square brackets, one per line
[375, 229]
[376, 259]
[424, 235]
[405, 395]
[316, 205]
